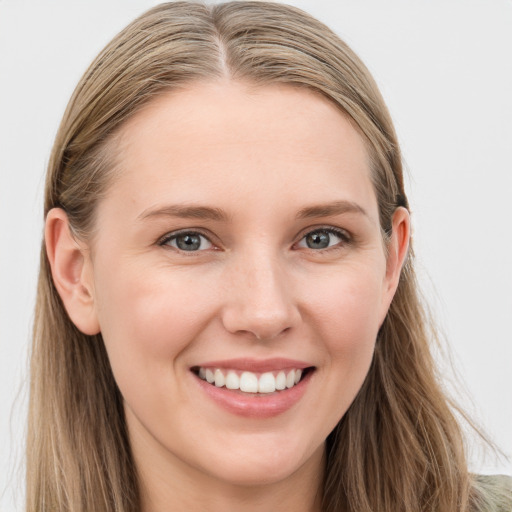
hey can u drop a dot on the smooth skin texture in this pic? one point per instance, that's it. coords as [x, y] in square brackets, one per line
[254, 170]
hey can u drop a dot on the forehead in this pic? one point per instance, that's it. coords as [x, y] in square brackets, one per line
[219, 139]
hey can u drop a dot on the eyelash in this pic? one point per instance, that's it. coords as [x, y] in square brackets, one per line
[345, 238]
[174, 235]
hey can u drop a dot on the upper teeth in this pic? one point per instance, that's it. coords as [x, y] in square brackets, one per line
[250, 382]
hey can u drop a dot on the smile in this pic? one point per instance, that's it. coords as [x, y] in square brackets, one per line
[251, 382]
[254, 389]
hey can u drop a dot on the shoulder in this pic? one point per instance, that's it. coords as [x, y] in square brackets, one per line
[493, 493]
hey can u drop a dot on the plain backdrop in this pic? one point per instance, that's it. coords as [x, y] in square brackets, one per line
[445, 70]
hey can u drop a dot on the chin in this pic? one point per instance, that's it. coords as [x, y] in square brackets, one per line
[265, 463]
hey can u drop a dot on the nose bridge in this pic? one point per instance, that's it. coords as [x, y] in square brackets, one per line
[259, 295]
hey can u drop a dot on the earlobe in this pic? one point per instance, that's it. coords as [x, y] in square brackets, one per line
[71, 272]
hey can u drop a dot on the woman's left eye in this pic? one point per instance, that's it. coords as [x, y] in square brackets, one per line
[188, 241]
[323, 238]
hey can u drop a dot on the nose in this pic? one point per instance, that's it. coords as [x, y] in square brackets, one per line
[259, 299]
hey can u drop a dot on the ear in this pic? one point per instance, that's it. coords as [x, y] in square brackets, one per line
[71, 271]
[397, 248]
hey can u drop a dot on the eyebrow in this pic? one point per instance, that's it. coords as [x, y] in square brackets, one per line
[186, 212]
[217, 214]
[331, 209]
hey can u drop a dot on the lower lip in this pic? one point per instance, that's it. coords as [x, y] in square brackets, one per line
[256, 405]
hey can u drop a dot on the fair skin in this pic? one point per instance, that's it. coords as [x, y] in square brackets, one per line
[241, 235]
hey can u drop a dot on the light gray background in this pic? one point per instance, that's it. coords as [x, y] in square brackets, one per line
[445, 70]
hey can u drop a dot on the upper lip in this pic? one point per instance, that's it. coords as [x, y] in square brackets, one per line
[256, 365]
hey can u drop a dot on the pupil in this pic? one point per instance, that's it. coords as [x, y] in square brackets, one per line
[318, 240]
[188, 242]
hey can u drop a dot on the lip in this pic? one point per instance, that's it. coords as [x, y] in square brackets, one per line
[256, 406]
[256, 365]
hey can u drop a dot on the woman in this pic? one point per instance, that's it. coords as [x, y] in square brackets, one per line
[227, 311]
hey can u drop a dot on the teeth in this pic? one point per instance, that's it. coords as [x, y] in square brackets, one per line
[232, 380]
[267, 383]
[290, 379]
[281, 381]
[209, 376]
[219, 378]
[250, 382]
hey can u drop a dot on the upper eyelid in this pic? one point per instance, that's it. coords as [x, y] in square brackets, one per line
[346, 240]
[304, 232]
[173, 234]
[326, 227]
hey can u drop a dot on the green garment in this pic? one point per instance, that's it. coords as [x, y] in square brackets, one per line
[493, 493]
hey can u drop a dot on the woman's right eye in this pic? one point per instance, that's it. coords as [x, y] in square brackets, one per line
[189, 241]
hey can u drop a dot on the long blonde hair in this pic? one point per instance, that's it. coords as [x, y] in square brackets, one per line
[398, 447]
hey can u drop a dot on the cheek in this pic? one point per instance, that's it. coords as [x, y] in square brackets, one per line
[149, 316]
[348, 307]
[347, 311]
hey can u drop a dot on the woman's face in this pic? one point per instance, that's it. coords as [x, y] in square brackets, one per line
[240, 242]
